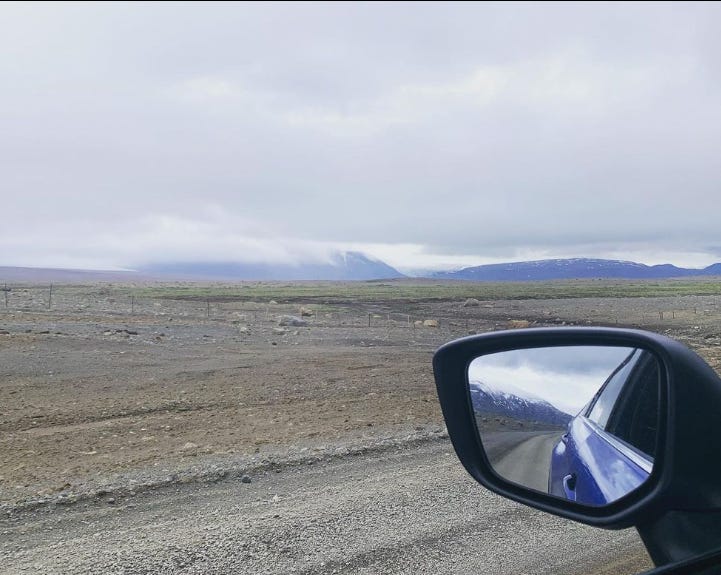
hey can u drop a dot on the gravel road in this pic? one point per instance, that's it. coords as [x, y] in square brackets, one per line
[528, 463]
[403, 510]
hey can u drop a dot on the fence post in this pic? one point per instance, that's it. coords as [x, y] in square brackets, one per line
[369, 320]
[132, 304]
[207, 311]
[50, 298]
[5, 290]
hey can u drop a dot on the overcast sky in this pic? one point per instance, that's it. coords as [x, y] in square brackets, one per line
[429, 135]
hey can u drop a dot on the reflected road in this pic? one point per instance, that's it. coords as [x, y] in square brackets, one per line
[523, 457]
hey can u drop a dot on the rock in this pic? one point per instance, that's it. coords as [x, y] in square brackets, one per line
[189, 445]
[430, 323]
[243, 329]
[292, 320]
[306, 312]
[245, 479]
[518, 323]
[279, 330]
[471, 302]
[272, 302]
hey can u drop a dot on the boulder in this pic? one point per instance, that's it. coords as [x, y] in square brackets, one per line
[430, 323]
[471, 302]
[292, 320]
[306, 312]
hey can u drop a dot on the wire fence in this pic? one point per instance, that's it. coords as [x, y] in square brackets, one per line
[112, 301]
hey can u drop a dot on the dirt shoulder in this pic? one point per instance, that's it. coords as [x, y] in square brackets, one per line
[118, 407]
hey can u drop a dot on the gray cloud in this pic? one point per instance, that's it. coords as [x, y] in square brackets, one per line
[422, 132]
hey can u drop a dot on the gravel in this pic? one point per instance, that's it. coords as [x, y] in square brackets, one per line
[408, 509]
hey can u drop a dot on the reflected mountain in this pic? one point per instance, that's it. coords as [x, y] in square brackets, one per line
[516, 405]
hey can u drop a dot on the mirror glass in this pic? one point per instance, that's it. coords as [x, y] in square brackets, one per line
[577, 422]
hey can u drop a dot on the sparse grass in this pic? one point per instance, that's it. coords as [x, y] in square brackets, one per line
[425, 290]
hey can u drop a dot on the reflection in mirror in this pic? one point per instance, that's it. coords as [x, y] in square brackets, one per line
[577, 422]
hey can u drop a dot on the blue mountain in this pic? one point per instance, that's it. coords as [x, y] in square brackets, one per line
[577, 268]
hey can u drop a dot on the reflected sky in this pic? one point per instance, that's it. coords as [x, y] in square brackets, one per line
[566, 377]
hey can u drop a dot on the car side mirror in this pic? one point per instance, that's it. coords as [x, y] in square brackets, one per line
[609, 427]
[577, 422]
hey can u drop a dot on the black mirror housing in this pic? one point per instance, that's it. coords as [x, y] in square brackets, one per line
[687, 467]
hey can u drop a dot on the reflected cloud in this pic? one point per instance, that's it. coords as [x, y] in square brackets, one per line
[565, 377]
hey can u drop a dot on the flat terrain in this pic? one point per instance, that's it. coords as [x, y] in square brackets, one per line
[144, 410]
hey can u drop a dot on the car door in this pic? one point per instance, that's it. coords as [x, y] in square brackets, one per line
[607, 450]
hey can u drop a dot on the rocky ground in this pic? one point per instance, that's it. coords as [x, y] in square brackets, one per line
[111, 404]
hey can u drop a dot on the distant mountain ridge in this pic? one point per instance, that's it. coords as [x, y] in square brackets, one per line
[350, 266]
[9, 274]
[342, 266]
[576, 268]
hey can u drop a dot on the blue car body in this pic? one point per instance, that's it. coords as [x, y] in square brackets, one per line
[591, 467]
[595, 463]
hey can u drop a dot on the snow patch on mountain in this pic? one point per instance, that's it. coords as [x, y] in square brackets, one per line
[514, 403]
[507, 389]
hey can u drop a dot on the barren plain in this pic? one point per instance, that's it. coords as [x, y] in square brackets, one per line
[126, 409]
